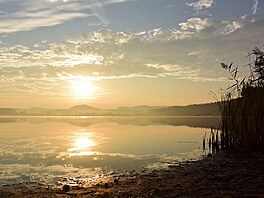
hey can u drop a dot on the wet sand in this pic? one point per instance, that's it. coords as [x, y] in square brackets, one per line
[217, 176]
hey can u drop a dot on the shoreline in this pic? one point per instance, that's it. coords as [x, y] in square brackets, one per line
[217, 176]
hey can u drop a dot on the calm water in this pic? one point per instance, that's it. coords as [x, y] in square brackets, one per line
[48, 149]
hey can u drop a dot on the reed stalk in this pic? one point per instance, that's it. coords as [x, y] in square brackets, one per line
[242, 108]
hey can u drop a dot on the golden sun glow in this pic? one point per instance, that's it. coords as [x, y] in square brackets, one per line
[83, 89]
[83, 143]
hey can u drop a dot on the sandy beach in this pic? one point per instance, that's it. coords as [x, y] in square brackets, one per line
[215, 176]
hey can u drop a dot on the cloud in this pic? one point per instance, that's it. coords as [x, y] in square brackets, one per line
[32, 16]
[255, 7]
[201, 4]
[29, 15]
[193, 51]
[98, 11]
[42, 19]
[196, 24]
[64, 1]
[206, 27]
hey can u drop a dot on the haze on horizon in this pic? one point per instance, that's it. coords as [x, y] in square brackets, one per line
[109, 53]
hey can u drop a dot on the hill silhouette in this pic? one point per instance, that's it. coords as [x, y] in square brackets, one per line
[209, 109]
[83, 108]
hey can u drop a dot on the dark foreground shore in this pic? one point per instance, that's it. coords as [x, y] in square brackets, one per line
[216, 176]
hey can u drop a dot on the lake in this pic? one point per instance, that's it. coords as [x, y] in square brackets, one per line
[48, 149]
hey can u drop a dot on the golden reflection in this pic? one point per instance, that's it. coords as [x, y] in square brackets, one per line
[84, 117]
[83, 143]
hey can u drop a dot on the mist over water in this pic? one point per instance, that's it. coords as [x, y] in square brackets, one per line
[47, 149]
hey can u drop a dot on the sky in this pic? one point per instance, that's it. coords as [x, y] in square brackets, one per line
[110, 53]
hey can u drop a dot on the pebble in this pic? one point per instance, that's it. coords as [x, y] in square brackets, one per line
[116, 181]
[107, 185]
[66, 188]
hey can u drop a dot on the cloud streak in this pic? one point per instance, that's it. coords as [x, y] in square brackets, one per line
[32, 15]
[42, 19]
[255, 7]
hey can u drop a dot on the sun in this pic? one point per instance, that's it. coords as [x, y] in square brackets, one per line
[83, 89]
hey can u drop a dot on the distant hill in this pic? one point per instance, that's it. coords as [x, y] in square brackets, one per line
[7, 111]
[209, 109]
[83, 108]
[37, 110]
[137, 110]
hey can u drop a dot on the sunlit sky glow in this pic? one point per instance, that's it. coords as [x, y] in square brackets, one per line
[83, 89]
[127, 52]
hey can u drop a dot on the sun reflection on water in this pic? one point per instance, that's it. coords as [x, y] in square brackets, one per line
[82, 145]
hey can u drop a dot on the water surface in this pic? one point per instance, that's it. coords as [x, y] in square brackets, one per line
[47, 149]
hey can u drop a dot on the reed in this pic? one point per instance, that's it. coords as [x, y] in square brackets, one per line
[242, 107]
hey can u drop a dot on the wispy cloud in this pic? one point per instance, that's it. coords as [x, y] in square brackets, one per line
[32, 15]
[98, 11]
[18, 22]
[255, 6]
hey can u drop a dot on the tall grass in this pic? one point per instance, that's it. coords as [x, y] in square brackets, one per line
[242, 107]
